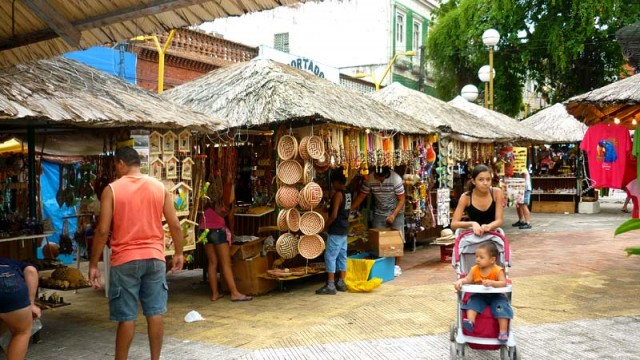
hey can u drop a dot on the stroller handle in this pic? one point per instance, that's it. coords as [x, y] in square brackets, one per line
[507, 248]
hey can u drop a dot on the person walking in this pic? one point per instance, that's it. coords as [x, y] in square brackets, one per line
[522, 208]
[132, 208]
[18, 287]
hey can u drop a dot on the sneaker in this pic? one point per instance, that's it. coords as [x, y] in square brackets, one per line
[341, 287]
[397, 271]
[525, 226]
[326, 290]
[518, 223]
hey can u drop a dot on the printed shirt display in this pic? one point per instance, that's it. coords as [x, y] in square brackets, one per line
[607, 147]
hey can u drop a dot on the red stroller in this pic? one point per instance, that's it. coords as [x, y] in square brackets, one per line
[485, 332]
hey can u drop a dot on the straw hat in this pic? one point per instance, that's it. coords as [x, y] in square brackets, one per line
[446, 234]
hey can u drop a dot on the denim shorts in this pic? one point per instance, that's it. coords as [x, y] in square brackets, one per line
[217, 236]
[500, 307]
[335, 255]
[380, 221]
[143, 280]
[527, 198]
[14, 294]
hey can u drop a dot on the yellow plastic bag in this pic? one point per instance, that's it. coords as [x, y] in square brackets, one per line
[357, 274]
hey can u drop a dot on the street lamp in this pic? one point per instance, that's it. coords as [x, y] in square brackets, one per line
[483, 75]
[161, 51]
[469, 92]
[386, 71]
[490, 38]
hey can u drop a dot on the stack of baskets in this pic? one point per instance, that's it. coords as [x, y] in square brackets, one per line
[290, 172]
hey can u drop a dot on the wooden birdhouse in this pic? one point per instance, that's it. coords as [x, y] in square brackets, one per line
[169, 248]
[169, 141]
[181, 197]
[155, 143]
[171, 164]
[187, 168]
[189, 233]
[184, 141]
[156, 168]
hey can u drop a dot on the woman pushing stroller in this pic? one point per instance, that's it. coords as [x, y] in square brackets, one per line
[483, 204]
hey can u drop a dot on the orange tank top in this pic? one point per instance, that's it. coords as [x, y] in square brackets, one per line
[478, 277]
[137, 232]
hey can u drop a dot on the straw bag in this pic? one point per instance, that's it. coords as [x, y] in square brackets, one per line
[287, 246]
[310, 246]
[311, 223]
[287, 197]
[304, 154]
[287, 147]
[293, 220]
[282, 220]
[312, 194]
[289, 172]
[315, 147]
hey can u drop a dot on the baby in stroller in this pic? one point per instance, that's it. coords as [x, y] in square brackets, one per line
[488, 273]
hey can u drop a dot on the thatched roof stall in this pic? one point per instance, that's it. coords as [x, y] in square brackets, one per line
[449, 120]
[557, 124]
[41, 29]
[64, 92]
[620, 100]
[262, 92]
[507, 125]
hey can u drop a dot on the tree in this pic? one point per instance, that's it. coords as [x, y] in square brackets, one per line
[567, 47]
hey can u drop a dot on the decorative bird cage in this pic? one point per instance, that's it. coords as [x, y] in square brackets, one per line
[187, 168]
[169, 145]
[155, 143]
[156, 168]
[184, 141]
[172, 167]
[181, 195]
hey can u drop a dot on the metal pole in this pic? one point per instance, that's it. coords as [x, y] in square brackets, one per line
[491, 77]
[31, 163]
[486, 95]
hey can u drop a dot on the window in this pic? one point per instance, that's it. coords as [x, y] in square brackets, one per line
[417, 35]
[400, 43]
[281, 42]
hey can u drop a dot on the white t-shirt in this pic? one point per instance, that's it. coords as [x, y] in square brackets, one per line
[385, 192]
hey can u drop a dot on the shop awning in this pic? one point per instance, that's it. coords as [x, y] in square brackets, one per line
[262, 92]
[558, 124]
[32, 30]
[64, 92]
[508, 126]
[620, 100]
[448, 119]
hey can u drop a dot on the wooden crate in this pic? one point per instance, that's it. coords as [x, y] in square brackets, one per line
[553, 207]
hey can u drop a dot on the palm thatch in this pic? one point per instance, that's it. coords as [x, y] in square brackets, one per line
[66, 92]
[620, 99]
[32, 30]
[261, 92]
[448, 119]
[507, 125]
[557, 124]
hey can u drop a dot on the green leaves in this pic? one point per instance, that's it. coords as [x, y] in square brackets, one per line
[629, 225]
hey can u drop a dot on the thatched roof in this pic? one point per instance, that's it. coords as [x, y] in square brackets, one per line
[558, 124]
[620, 99]
[67, 92]
[448, 119]
[507, 125]
[260, 92]
[41, 29]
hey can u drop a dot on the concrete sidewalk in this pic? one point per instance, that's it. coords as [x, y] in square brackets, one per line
[572, 291]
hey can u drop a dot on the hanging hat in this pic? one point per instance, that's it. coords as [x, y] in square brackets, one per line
[446, 234]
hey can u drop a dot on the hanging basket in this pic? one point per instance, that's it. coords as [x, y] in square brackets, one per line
[315, 147]
[311, 223]
[293, 220]
[287, 147]
[311, 246]
[289, 172]
[303, 203]
[304, 154]
[282, 220]
[312, 194]
[323, 163]
[287, 197]
[287, 246]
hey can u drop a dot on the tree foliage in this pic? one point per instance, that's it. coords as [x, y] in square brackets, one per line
[567, 47]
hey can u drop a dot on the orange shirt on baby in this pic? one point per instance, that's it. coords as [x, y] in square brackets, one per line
[137, 233]
[478, 277]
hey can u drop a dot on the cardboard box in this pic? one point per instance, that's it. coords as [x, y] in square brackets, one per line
[246, 250]
[382, 268]
[385, 242]
[245, 274]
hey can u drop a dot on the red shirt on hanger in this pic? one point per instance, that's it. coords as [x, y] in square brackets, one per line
[607, 147]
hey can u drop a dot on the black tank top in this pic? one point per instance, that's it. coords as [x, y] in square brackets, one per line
[340, 226]
[481, 217]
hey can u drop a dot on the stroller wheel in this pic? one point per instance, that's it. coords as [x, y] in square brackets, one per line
[504, 353]
[456, 351]
[514, 354]
[452, 331]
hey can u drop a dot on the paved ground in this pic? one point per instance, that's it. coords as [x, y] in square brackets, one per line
[574, 297]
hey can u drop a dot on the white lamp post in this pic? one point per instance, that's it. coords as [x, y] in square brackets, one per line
[483, 75]
[469, 92]
[490, 38]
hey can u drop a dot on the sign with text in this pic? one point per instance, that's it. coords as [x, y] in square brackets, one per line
[520, 159]
[300, 62]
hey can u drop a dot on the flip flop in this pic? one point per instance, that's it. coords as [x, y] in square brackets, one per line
[218, 298]
[467, 325]
[503, 337]
[244, 298]
[624, 210]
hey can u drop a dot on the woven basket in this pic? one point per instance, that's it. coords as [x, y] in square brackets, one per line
[307, 172]
[287, 147]
[289, 172]
[303, 203]
[310, 246]
[304, 154]
[323, 163]
[287, 197]
[293, 220]
[282, 220]
[315, 147]
[311, 223]
[287, 246]
[312, 194]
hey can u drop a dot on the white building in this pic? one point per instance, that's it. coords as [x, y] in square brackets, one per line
[355, 36]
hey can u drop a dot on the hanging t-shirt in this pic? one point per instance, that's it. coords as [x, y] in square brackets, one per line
[607, 147]
[636, 149]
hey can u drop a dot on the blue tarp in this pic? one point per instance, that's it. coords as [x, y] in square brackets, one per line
[108, 60]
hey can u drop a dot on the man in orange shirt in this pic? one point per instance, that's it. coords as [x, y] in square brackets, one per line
[132, 207]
